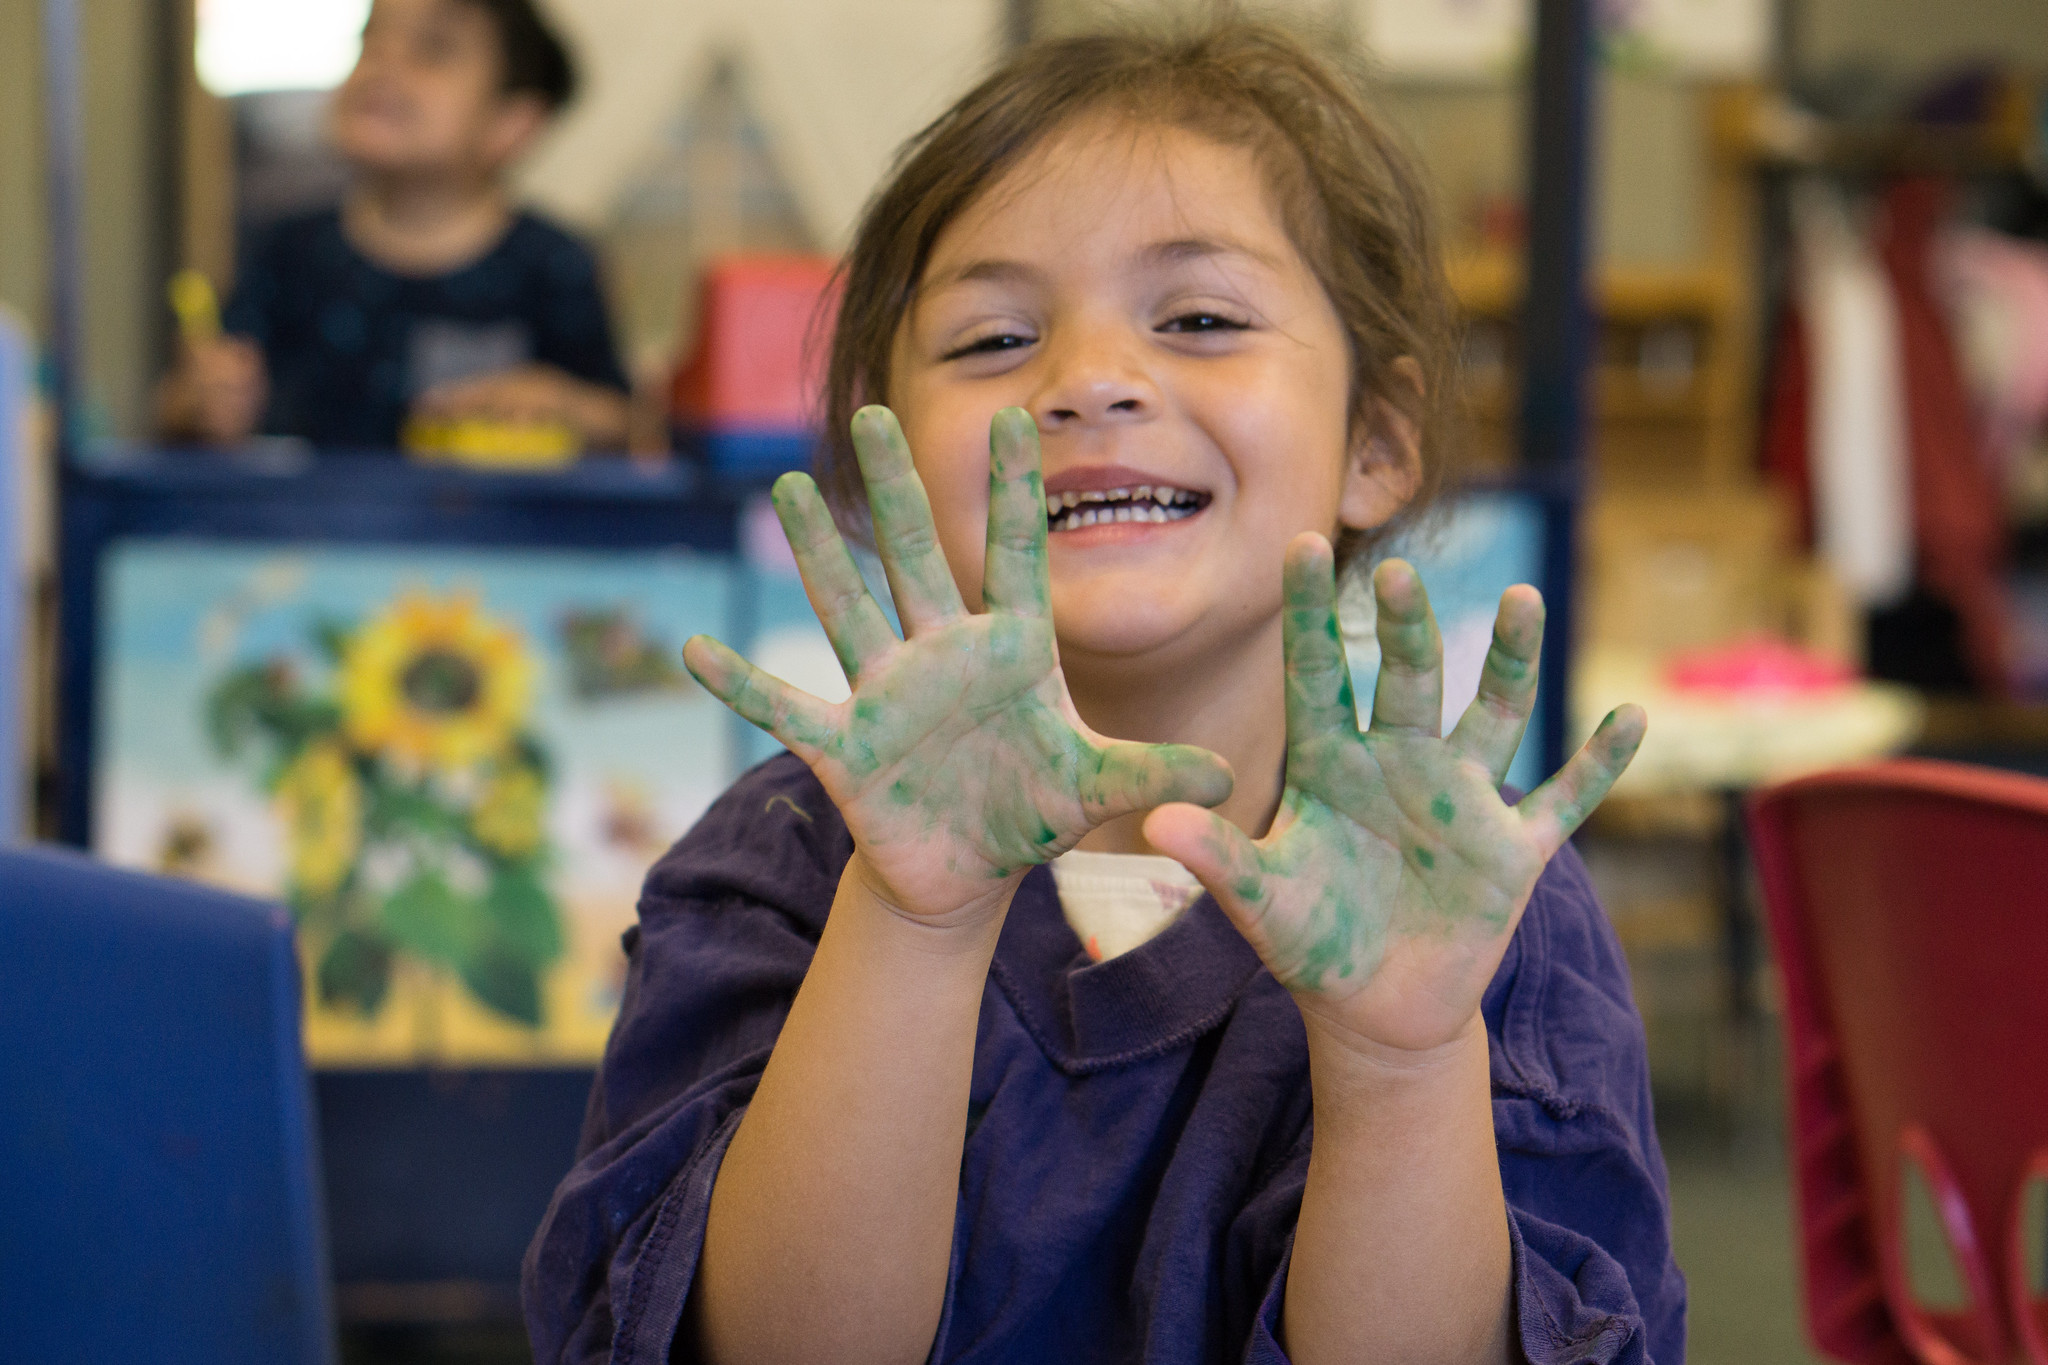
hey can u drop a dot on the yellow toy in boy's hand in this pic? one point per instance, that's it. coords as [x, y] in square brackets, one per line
[196, 305]
[486, 444]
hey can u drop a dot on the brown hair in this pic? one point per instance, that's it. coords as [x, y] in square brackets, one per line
[1349, 198]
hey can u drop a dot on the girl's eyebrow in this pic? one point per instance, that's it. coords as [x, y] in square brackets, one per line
[1183, 249]
[982, 272]
[1175, 251]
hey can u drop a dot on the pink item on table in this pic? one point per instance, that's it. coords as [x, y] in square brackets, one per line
[1756, 665]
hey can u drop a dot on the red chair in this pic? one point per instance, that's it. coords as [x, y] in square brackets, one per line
[1908, 904]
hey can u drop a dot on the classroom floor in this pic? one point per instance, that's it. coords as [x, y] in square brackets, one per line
[1731, 1224]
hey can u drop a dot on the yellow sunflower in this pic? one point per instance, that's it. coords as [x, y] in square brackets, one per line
[508, 814]
[322, 806]
[434, 682]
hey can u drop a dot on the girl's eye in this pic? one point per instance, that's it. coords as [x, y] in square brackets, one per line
[1202, 322]
[988, 345]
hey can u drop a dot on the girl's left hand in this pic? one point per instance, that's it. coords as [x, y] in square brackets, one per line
[1394, 874]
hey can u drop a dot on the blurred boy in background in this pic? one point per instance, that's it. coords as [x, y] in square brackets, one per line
[427, 294]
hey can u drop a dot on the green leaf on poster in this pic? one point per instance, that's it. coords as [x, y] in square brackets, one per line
[427, 918]
[396, 809]
[524, 915]
[333, 635]
[355, 971]
[504, 981]
[232, 710]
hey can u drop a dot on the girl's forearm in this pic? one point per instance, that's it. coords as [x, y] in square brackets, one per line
[1401, 1252]
[831, 1223]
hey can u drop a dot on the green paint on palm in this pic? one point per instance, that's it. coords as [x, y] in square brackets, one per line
[1340, 932]
[1426, 858]
[1442, 808]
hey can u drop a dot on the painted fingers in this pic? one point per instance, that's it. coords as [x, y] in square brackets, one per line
[1126, 777]
[1554, 810]
[905, 536]
[1491, 729]
[852, 619]
[1409, 696]
[802, 722]
[1319, 701]
[1224, 859]
[1015, 575]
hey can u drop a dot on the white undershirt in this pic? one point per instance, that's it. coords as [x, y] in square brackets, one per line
[1116, 901]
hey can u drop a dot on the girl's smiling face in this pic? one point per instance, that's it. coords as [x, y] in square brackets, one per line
[1134, 289]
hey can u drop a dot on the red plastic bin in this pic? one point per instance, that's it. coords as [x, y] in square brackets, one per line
[755, 377]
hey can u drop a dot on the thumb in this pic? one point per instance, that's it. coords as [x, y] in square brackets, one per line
[1133, 777]
[1223, 857]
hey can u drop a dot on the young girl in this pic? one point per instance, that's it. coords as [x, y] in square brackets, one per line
[1160, 320]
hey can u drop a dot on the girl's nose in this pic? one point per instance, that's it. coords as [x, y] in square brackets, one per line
[1093, 377]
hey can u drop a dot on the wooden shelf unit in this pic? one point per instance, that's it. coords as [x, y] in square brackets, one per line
[1671, 382]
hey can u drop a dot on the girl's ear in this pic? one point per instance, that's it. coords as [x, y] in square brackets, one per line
[1385, 464]
[517, 121]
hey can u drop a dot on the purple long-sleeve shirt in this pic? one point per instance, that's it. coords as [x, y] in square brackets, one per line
[1138, 1129]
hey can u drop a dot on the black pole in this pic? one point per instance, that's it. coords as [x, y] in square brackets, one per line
[1557, 323]
[64, 174]
[1020, 24]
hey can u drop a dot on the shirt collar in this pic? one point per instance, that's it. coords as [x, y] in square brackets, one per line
[1093, 1016]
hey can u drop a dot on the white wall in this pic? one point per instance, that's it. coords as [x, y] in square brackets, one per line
[840, 83]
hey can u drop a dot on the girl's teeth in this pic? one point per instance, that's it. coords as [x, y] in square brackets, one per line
[1145, 503]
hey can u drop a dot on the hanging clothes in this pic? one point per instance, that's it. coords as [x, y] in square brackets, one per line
[1996, 291]
[1834, 433]
[1958, 514]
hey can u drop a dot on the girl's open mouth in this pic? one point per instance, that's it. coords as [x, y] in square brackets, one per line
[1141, 503]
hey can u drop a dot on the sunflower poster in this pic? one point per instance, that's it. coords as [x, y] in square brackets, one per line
[453, 766]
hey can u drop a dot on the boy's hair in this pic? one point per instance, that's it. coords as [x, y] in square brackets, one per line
[1348, 195]
[536, 63]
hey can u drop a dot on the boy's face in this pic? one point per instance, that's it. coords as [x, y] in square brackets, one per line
[427, 95]
[1136, 292]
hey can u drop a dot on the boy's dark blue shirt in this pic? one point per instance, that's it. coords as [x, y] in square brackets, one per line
[1138, 1129]
[349, 344]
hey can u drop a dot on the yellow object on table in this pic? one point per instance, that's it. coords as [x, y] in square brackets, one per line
[1727, 741]
[482, 444]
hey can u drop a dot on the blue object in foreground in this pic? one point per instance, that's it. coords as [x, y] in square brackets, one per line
[751, 452]
[158, 1178]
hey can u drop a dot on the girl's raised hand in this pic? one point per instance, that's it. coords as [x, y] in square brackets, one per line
[1394, 874]
[959, 761]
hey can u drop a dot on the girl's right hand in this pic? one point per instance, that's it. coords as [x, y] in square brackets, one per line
[959, 762]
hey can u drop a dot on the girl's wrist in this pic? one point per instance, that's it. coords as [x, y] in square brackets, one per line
[967, 931]
[1348, 1070]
